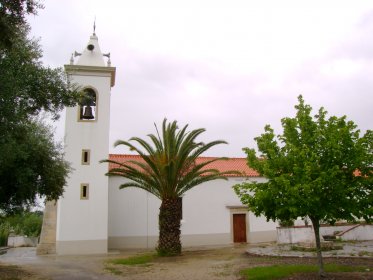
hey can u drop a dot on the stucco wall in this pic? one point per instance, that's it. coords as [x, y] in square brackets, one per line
[330, 230]
[207, 216]
[22, 241]
[80, 220]
[361, 232]
[293, 235]
[306, 234]
[260, 223]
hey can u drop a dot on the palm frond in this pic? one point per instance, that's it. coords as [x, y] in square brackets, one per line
[168, 165]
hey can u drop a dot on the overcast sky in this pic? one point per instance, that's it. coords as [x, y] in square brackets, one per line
[228, 66]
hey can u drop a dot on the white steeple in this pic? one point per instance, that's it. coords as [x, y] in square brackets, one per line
[91, 55]
[82, 212]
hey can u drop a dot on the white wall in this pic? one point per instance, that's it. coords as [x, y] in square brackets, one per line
[306, 233]
[330, 230]
[360, 232]
[132, 211]
[291, 235]
[260, 223]
[135, 212]
[207, 210]
[77, 219]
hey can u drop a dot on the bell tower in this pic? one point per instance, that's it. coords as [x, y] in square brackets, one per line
[82, 211]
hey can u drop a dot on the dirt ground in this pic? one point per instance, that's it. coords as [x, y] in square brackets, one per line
[198, 263]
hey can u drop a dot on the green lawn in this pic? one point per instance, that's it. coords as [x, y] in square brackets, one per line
[135, 260]
[280, 271]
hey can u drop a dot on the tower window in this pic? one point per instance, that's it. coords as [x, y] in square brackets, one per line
[88, 105]
[84, 191]
[86, 155]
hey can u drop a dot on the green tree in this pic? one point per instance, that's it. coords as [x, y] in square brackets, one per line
[31, 164]
[12, 18]
[167, 170]
[318, 167]
[27, 87]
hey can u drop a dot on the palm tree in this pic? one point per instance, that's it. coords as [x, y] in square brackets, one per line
[167, 169]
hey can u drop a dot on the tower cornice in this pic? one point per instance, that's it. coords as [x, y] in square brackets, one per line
[85, 69]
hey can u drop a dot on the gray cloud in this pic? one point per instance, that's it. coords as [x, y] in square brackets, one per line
[229, 69]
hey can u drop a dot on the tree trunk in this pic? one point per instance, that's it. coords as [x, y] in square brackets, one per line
[169, 227]
[316, 229]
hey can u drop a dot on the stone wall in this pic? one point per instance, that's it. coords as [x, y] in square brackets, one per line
[47, 244]
[22, 241]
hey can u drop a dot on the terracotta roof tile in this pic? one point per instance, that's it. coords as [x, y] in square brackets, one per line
[237, 164]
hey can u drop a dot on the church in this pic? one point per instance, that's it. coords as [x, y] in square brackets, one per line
[94, 216]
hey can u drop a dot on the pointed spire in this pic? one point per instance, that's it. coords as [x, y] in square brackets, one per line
[91, 55]
[94, 26]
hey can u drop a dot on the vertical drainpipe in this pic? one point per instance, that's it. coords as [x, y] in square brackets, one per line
[147, 220]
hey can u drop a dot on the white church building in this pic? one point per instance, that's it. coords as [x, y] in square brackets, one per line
[94, 215]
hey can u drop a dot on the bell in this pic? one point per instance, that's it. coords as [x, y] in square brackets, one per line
[88, 113]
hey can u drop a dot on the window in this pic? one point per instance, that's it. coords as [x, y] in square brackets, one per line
[88, 105]
[84, 191]
[86, 155]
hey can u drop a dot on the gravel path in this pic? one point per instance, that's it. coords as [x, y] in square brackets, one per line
[195, 263]
[349, 249]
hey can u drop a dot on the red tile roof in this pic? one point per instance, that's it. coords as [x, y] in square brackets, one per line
[237, 164]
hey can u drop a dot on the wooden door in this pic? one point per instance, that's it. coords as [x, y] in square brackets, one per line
[239, 228]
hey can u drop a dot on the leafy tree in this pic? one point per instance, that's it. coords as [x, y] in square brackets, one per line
[12, 18]
[318, 167]
[168, 169]
[31, 163]
[27, 87]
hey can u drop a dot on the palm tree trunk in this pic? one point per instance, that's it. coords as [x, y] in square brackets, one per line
[169, 227]
[316, 229]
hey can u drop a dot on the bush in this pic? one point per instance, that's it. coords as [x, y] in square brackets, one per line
[4, 232]
[286, 223]
[32, 224]
[25, 223]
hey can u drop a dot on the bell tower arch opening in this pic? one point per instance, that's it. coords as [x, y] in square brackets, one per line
[88, 105]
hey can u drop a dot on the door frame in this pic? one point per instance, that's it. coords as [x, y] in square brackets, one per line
[239, 227]
[239, 209]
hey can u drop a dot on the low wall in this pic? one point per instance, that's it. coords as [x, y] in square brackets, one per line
[300, 234]
[358, 233]
[330, 230]
[296, 234]
[22, 241]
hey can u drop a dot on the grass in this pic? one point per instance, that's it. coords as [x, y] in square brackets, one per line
[365, 253]
[313, 249]
[135, 260]
[280, 271]
[138, 260]
[13, 272]
[113, 270]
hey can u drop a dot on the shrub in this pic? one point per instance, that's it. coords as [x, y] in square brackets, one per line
[4, 233]
[286, 223]
[25, 223]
